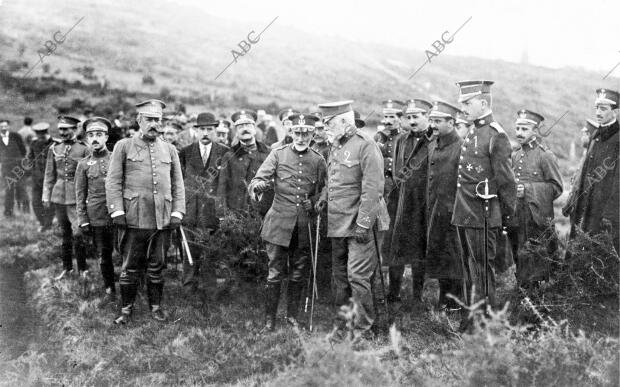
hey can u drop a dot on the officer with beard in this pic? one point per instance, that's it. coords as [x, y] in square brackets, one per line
[240, 164]
[92, 213]
[298, 174]
[405, 242]
[59, 188]
[355, 205]
[146, 199]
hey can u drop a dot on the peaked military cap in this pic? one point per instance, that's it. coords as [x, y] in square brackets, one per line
[393, 107]
[68, 122]
[244, 117]
[332, 109]
[525, 116]
[470, 89]
[285, 113]
[97, 124]
[607, 97]
[303, 123]
[442, 109]
[40, 126]
[417, 106]
[151, 108]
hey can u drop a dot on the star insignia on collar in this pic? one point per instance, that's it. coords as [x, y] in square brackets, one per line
[469, 167]
[479, 169]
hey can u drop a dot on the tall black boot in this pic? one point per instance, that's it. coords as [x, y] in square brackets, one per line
[293, 298]
[155, 292]
[395, 275]
[128, 296]
[272, 295]
[418, 285]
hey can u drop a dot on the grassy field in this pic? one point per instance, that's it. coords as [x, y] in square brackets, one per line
[217, 339]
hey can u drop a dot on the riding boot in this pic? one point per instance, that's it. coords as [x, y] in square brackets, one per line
[128, 296]
[272, 296]
[395, 275]
[293, 297]
[155, 292]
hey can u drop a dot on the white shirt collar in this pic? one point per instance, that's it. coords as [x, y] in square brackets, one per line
[609, 123]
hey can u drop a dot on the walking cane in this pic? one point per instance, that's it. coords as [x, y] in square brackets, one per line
[186, 246]
[314, 263]
[385, 301]
[486, 197]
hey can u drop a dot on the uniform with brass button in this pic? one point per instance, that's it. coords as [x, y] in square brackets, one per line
[355, 204]
[485, 154]
[37, 159]
[59, 187]
[539, 183]
[386, 139]
[146, 199]
[91, 206]
[597, 200]
[297, 177]
[240, 164]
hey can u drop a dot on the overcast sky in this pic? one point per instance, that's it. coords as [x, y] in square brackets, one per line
[553, 33]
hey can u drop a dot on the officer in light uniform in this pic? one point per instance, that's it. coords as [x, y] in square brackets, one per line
[297, 174]
[146, 199]
[354, 200]
[92, 212]
[539, 183]
[59, 188]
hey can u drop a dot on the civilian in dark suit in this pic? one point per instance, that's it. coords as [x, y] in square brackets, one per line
[201, 163]
[12, 152]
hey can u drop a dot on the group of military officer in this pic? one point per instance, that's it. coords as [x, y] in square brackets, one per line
[439, 188]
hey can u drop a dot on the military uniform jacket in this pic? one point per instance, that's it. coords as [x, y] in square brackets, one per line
[294, 176]
[323, 149]
[145, 181]
[485, 154]
[239, 167]
[442, 249]
[406, 238]
[354, 190]
[537, 169]
[201, 184]
[37, 158]
[59, 181]
[386, 139]
[597, 197]
[90, 189]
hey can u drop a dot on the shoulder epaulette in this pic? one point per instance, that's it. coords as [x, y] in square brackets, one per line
[497, 127]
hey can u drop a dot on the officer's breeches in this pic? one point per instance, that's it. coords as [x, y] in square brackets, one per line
[353, 266]
[67, 220]
[278, 258]
[472, 243]
[102, 239]
[143, 250]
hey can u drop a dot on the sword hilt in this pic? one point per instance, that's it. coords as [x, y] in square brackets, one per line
[484, 195]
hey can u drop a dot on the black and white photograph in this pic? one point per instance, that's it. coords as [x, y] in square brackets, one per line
[312, 193]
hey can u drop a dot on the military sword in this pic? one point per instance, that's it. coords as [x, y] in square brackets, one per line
[486, 197]
[186, 246]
